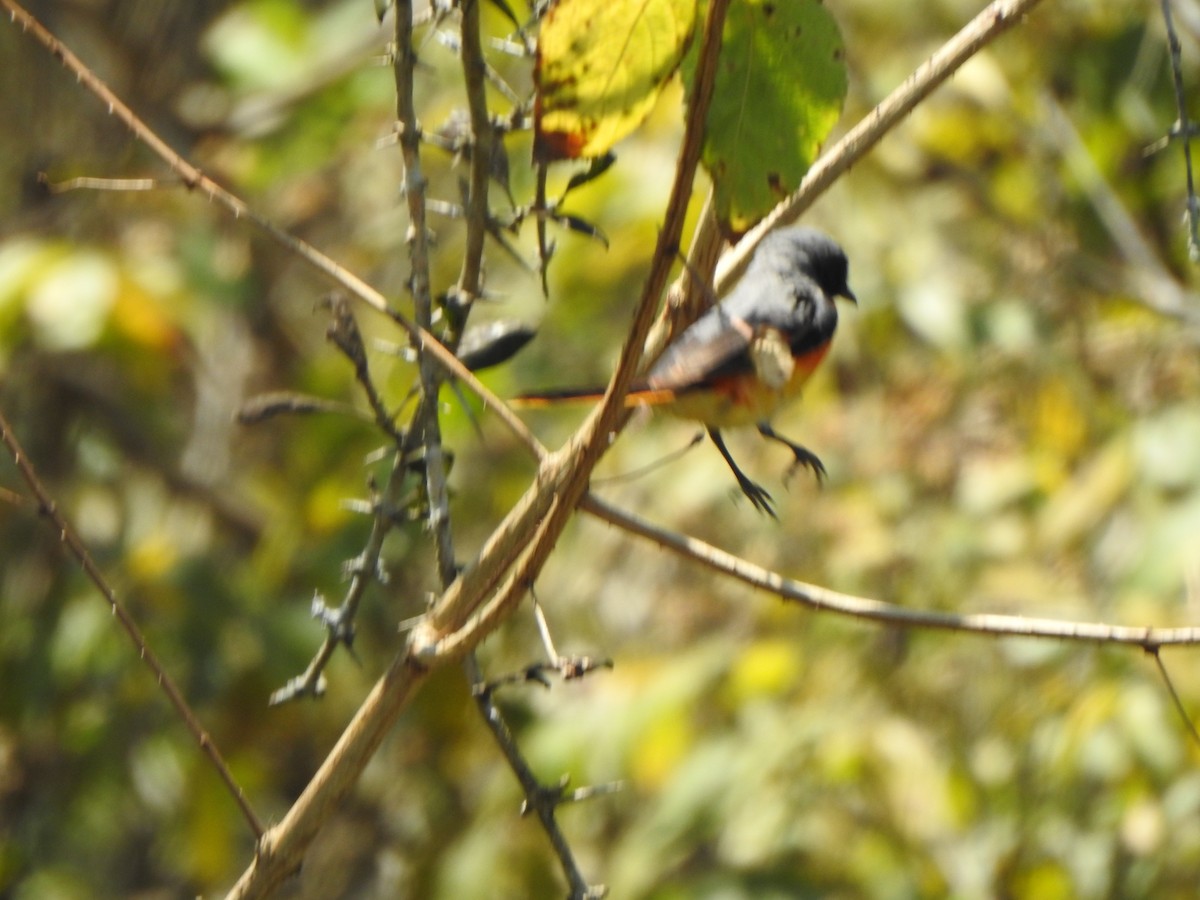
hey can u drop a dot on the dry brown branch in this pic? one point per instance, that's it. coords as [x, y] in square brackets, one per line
[76, 547]
[823, 599]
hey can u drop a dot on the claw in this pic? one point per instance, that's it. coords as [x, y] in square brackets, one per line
[805, 458]
[759, 498]
[756, 493]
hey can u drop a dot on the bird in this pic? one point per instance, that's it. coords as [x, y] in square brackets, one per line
[747, 356]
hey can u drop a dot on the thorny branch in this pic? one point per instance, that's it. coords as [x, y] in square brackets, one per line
[470, 287]
[425, 421]
[542, 800]
[366, 567]
[457, 623]
[1185, 131]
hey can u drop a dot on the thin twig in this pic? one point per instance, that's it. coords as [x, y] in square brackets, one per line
[366, 567]
[1152, 282]
[1185, 130]
[265, 406]
[470, 286]
[569, 668]
[692, 292]
[343, 331]
[642, 471]
[824, 600]
[71, 540]
[12, 497]
[1175, 698]
[543, 627]
[339, 622]
[541, 799]
[470, 281]
[123, 185]
[425, 422]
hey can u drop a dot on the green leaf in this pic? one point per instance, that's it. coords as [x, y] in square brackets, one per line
[781, 82]
[601, 64]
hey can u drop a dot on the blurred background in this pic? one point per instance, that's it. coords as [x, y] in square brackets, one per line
[1009, 419]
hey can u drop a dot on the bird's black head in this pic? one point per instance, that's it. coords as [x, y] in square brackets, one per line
[812, 253]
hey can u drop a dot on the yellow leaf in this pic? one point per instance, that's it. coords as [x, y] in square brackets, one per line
[601, 64]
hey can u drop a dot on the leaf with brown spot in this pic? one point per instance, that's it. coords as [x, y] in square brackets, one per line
[601, 64]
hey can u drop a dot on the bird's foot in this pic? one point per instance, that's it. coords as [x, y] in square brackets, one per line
[758, 495]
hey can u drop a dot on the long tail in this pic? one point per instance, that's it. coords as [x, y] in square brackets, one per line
[639, 396]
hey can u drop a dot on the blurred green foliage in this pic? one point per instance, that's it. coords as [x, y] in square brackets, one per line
[1008, 425]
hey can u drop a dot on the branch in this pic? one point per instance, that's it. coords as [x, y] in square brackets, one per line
[365, 568]
[470, 281]
[339, 622]
[470, 287]
[426, 424]
[281, 849]
[76, 547]
[1184, 129]
[1175, 698]
[822, 599]
[542, 800]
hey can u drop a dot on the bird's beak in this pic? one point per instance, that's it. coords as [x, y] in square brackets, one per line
[849, 295]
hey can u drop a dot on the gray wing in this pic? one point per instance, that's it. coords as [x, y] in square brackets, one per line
[714, 345]
[717, 344]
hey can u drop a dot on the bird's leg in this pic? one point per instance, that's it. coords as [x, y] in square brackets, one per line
[757, 493]
[804, 456]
